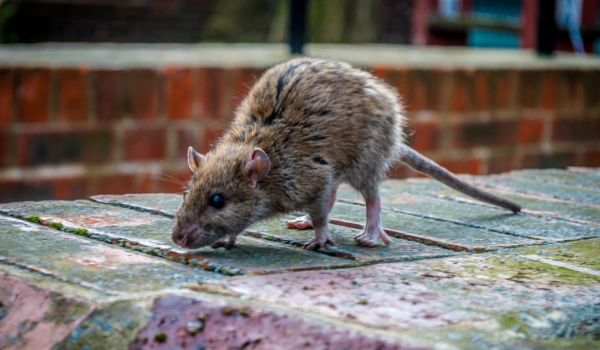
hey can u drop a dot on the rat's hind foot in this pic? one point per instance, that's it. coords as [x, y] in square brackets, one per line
[226, 242]
[301, 223]
[321, 241]
[370, 239]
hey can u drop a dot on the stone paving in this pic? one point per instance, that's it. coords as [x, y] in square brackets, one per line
[459, 274]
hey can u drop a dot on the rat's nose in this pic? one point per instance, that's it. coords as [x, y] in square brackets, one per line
[181, 233]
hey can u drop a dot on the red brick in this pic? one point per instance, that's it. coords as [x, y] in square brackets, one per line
[468, 166]
[145, 144]
[211, 92]
[501, 165]
[575, 129]
[174, 182]
[572, 90]
[244, 79]
[143, 93]
[212, 133]
[145, 183]
[179, 85]
[72, 102]
[39, 147]
[400, 171]
[112, 184]
[549, 161]
[424, 89]
[504, 87]
[425, 136]
[482, 91]
[4, 144]
[591, 91]
[69, 188]
[34, 95]
[550, 90]
[531, 130]
[461, 98]
[109, 95]
[529, 88]
[185, 139]
[495, 133]
[18, 191]
[7, 78]
[591, 159]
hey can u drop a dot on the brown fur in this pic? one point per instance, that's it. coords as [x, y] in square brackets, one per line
[321, 123]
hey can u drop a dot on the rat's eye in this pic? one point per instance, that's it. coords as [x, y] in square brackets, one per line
[217, 201]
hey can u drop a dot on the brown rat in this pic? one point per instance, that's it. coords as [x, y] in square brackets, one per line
[306, 126]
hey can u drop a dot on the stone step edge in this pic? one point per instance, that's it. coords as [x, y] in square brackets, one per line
[184, 258]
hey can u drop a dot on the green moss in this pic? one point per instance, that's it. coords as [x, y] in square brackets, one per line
[244, 313]
[34, 219]
[160, 337]
[57, 225]
[362, 302]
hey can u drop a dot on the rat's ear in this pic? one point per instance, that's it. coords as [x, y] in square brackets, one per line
[257, 167]
[194, 159]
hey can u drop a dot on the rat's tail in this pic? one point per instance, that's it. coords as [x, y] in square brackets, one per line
[428, 167]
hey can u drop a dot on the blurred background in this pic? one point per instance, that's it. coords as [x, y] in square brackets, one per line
[105, 96]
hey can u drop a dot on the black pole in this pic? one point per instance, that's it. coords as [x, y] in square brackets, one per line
[546, 34]
[298, 10]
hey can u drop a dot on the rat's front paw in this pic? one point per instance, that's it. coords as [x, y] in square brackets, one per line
[226, 242]
[301, 223]
[318, 244]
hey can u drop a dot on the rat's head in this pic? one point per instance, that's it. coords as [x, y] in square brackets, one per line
[221, 196]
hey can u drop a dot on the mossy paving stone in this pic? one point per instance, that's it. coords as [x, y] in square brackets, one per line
[157, 203]
[275, 230]
[584, 253]
[345, 245]
[89, 263]
[558, 176]
[446, 234]
[152, 234]
[464, 301]
[35, 318]
[492, 218]
[395, 191]
[186, 322]
[590, 196]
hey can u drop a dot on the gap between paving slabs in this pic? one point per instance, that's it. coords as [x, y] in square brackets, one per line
[276, 231]
[150, 234]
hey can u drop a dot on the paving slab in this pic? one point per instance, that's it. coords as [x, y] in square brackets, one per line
[345, 245]
[431, 231]
[151, 234]
[82, 261]
[276, 230]
[558, 176]
[430, 199]
[480, 301]
[32, 317]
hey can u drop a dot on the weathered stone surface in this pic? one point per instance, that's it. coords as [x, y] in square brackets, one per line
[558, 177]
[152, 234]
[36, 318]
[420, 199]
[184, 322]
[156, 203]
[345, 245]
[470, 301]
[82, 261]
[443, 233]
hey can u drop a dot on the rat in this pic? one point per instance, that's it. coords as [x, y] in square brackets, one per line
[306, 126]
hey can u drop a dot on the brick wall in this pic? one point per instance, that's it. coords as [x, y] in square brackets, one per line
[68, 133]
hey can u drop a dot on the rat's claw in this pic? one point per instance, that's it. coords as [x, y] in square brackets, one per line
[316, 244]
[301, 223]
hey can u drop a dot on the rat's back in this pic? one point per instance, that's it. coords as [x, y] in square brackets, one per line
[311, 112]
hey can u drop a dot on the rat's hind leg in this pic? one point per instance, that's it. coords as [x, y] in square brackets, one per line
[304, 222]
[373, 228]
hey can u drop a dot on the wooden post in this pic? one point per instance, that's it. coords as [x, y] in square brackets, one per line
[298, 11]
[529, 23]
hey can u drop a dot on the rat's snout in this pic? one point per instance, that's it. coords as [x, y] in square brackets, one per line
[183, 234]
